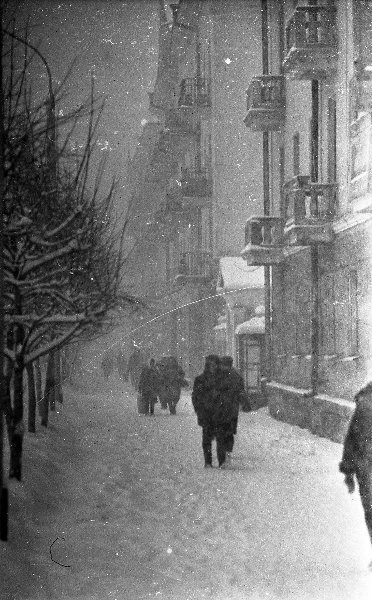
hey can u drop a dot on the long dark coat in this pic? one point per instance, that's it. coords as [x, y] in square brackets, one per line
[230, 388]
[149, 382]
[204, 396]
[357, 451]
[172, 379]
[136, 362]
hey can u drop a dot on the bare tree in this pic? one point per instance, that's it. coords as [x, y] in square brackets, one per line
[63, 265]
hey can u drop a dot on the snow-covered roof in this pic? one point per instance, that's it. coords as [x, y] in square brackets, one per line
[254, 325]
[235, 274]
[221, 327]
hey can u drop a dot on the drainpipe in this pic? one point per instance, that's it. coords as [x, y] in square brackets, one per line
[266, 196]
[315, 291]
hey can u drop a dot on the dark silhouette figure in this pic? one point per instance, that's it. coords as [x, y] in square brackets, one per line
[148, 387]
[172, 379]
[136, 362]
[357, 452]
[204, 399]
[230, 390]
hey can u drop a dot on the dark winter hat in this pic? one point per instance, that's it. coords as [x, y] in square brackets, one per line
[212, 358]
[366, 389]
[226, 360]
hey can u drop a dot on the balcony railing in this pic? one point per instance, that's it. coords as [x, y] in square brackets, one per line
[310, 209]
[265, 103]
[264, 241]
[311, 43]
[194, 92]
[195, 267]
[196, 184]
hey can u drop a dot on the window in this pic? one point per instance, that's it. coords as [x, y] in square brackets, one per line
[352, 321]
[303, 319]
[296, 154]
[332, 139]
[250, 362]
[339, 313]
[327, 315]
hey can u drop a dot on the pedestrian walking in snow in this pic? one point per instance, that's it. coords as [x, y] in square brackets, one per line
[172, 380]
[357, 453]
[242, 396]
[148, 387]
[230, 391]
[204, 396]
[107, 365]
[136, 362]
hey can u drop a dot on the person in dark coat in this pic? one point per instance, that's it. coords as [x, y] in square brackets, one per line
[172, 380]
[148, 387]
[357, 452]
[227, 367]
[230, 390]
[204, 397]
[136, 362]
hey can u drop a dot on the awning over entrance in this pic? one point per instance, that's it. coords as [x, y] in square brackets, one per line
[234, 274]
[253, 326]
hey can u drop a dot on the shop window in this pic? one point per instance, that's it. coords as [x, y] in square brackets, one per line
[303, 320]
[339, 313]
[327, 315]
[250, 362]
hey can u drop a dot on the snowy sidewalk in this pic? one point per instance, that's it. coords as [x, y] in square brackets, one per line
[117, 506]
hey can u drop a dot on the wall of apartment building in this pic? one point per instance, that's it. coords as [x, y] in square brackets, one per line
[345, 315]
[291, 320]
[236, 152]
[345, 283]
[344, 269]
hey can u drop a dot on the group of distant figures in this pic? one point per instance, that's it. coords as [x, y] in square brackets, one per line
[154, 381]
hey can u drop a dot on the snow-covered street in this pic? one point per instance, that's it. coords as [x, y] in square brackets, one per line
[117, 506]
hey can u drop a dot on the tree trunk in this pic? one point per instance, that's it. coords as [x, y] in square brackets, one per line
[51, 384]
[38, 383]
[58, 377]
[31, 397]
[15, 470]
[46, 400]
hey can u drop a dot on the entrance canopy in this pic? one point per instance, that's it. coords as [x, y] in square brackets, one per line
[235, 274]
[253, 326]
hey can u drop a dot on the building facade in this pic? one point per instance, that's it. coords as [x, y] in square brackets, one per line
[312, 102]
[195, 175]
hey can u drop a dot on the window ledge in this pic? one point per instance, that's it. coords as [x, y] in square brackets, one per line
[328, 357]
[350, 358]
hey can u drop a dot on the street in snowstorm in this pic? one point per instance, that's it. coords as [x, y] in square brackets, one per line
[130, 512]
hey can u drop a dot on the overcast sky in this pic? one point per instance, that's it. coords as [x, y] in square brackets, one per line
[117, 41]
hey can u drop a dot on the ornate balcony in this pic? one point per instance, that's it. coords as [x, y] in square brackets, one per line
[195, 267]
[311, 43]
[196, 186]
[265, 103]
[264, 241]
[310, 210]
[195, 92]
